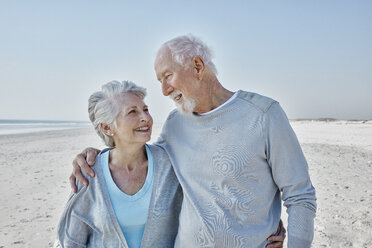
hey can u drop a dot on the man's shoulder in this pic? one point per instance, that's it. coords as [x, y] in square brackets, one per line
[172, 117]
[259, 101]
[172, 114]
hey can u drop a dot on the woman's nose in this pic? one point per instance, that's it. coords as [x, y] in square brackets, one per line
[145, 117]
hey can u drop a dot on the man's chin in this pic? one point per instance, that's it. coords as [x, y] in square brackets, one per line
[185, 105]
[184, 109]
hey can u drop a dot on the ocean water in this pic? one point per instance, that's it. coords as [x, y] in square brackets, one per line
[32, 126]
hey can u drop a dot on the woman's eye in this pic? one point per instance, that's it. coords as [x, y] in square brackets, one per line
[146, 110]
[132, 111]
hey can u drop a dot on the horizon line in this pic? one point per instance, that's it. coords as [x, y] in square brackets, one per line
[326, 119]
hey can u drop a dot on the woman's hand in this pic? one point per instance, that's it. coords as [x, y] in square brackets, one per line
[83, 161]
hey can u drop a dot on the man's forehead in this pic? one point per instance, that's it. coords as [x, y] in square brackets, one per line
[162, 55]
[163, 61]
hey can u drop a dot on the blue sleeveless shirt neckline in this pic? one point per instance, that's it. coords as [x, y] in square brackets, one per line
[130, 210]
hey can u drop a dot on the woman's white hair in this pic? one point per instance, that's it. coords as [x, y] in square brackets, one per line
[186, 47]
[104, 105]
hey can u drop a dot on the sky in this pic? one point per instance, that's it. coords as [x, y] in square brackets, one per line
[314, 57]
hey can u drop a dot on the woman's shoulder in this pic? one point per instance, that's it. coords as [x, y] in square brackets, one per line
[162, 162]
[99, 158]
[97, 167]
[158, 152]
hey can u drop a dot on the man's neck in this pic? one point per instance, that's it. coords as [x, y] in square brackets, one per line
[216, 95]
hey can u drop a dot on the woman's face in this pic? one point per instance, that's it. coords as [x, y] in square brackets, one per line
[134, 122]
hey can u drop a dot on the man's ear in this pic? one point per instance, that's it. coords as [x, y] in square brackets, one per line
[107, 129]
[198, 66]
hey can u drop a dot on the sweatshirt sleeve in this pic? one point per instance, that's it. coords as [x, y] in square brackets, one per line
[73, 230]
[290, 173]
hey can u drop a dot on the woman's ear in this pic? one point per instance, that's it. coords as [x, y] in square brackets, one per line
[106, 129]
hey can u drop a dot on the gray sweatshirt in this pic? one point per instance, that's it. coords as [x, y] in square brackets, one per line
[88, 219]
[235, 165]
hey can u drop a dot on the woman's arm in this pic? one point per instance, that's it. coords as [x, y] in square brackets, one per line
[73, 229]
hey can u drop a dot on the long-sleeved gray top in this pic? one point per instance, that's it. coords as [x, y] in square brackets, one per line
[88, 219]
[233, 165]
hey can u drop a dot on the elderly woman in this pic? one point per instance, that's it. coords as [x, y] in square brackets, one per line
[135, 198]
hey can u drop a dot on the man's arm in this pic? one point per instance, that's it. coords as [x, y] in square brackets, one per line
[278, 238]
[83, 161]
[290, 173]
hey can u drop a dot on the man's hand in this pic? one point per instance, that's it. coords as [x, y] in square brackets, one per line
[278, 238]
[83, 161]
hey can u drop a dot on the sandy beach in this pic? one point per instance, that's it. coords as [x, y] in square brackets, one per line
[35, 169]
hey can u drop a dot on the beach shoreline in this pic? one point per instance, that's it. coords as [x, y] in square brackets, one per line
[36, 166]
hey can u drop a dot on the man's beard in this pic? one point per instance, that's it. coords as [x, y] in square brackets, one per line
[186, 106]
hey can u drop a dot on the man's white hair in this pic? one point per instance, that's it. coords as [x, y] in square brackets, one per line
[186, 47]
[104, 105]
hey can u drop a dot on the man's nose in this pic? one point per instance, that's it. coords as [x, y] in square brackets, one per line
[166, 89]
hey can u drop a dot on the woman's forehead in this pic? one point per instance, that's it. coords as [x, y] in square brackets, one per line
[128, 99]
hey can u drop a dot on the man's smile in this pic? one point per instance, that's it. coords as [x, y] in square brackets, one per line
[178, 97]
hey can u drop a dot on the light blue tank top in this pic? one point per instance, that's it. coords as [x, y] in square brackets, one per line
[130, 210]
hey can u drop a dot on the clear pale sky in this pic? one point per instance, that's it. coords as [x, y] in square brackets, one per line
[314, 57]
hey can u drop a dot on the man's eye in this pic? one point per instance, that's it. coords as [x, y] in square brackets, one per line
[132, 111]
[146, 110]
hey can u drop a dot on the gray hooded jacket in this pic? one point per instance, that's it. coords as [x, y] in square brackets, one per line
[88, 219]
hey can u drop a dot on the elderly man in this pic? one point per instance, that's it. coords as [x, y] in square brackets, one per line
[234, 153]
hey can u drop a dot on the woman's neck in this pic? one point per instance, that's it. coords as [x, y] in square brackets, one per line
[127, 156]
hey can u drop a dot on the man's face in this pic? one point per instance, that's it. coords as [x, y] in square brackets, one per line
[177, 82]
